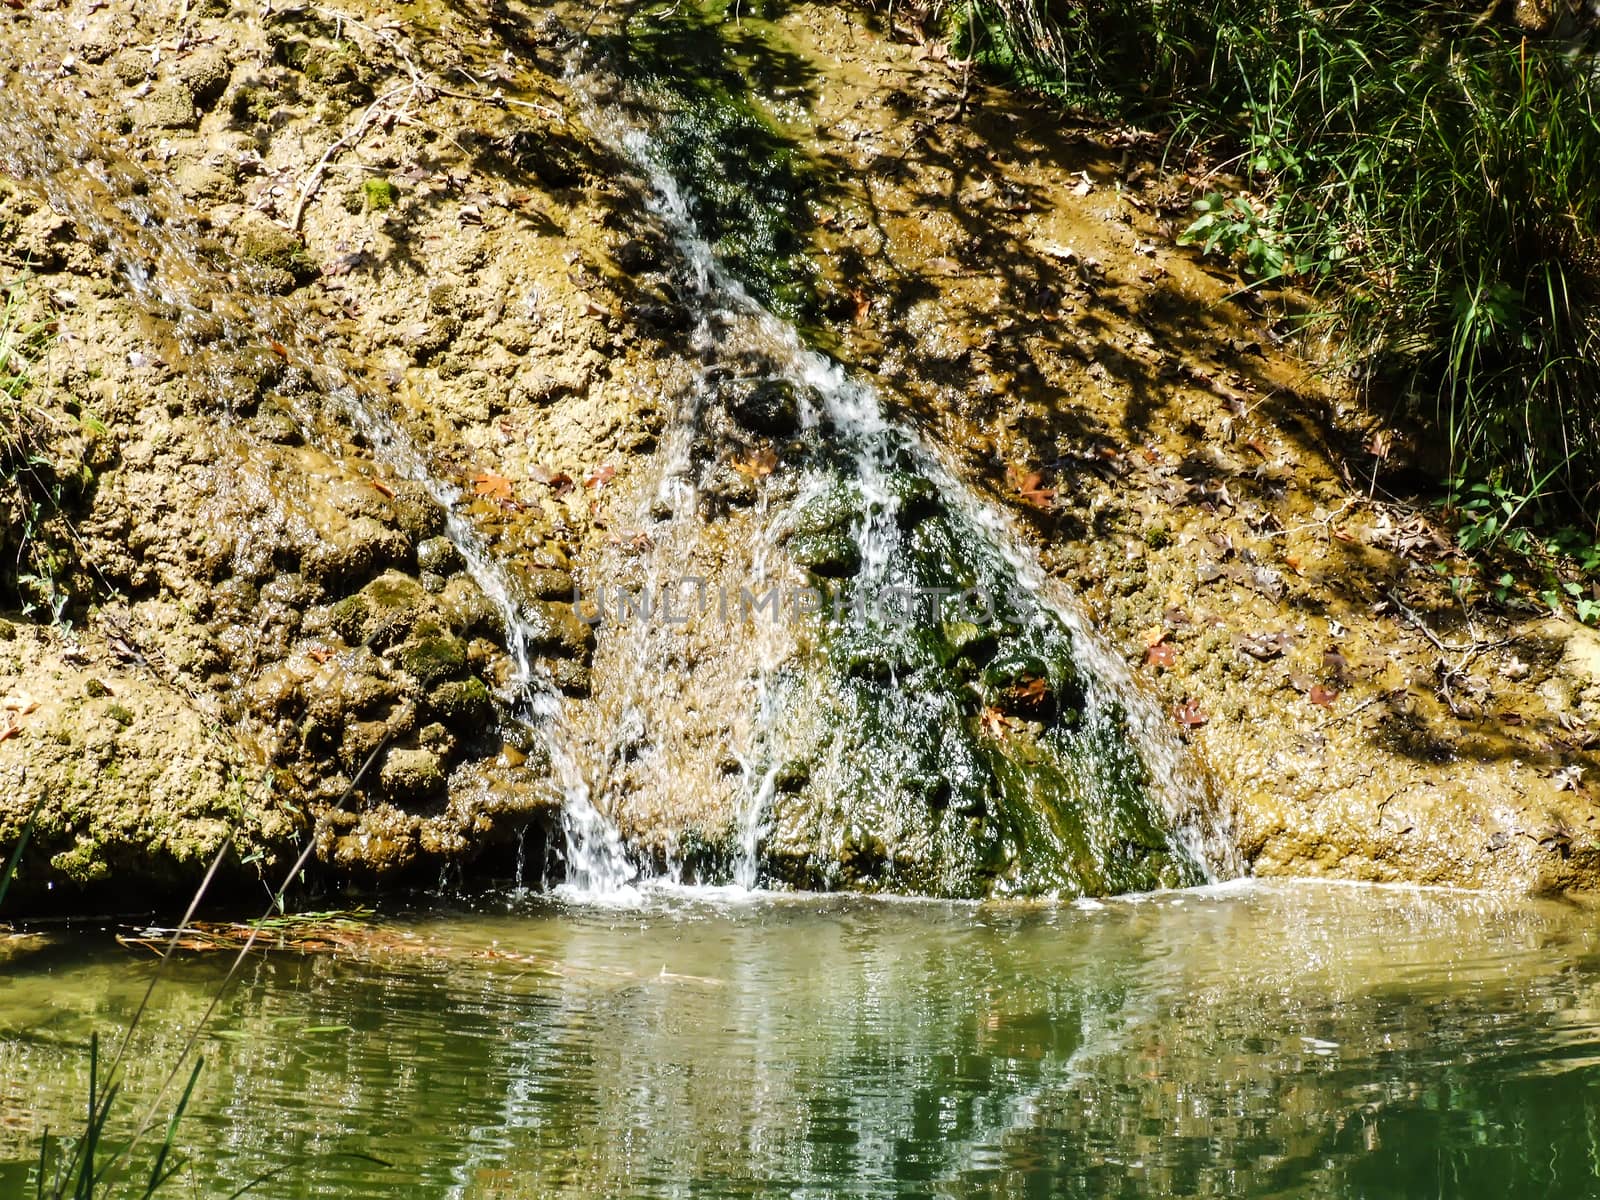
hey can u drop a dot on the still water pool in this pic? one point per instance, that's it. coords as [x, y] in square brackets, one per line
[1252, 1040]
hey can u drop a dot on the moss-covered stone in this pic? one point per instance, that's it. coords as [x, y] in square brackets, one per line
[554, 629]
[463, 704]
[390, 606]
[169, 105]
[273, 248]
[439, 555]
[432, 660]
[769, 406]
[411, 775]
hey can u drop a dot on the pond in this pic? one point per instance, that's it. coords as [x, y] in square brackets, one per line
[1243, 1040]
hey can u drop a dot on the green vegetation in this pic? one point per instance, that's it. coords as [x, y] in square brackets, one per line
[703, 77]
[379, 195]
[1426, 170]
[31, 487]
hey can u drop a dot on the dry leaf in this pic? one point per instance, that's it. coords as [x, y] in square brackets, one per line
[600, 476]
[1189, 714]
[1029, 487]
[757, 463]
[1161, 654]
[993, 722]
[494, 487]
[1322, 696]
[383, 489]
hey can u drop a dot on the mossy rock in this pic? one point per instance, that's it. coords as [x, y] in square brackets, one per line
[462, 704]
[554, 629]
[348, 618]
[169, 105]
[439, 555]
[432, 660]
[770, 407]
[831, 555]
[272, 248]
[411, 775]
[379, 195]
[822, 534]
[390, 606]
[205, 73]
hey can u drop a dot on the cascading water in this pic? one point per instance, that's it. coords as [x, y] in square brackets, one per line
[876, 751]
[883, 471]
[116, 206]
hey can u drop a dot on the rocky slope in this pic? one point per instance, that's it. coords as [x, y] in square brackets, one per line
[282, 264]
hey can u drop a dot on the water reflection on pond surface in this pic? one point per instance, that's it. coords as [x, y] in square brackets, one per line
[1259, 1040]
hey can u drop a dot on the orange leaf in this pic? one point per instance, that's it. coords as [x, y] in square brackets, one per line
[993, 722]
[600, 476]
[1029, 486]
[1161, 654]
[279, 349]
[383, 489]
[1189, 714]
[1322, 696]
[495, 487]
[756, 464]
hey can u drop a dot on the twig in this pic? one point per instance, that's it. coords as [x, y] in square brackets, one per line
[1412, 618]
[1365, 704]
[497, 98]
[314, 178]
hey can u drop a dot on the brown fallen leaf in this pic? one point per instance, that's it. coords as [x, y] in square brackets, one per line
[1189, 714]
[1161, 654]
[600, 476]
[494, 487]
[1322, 696]
[383, 489]
[993, 722]
[1029, 693]
[278, 348]
[560, 483]
[756, 464]
[1029, 487]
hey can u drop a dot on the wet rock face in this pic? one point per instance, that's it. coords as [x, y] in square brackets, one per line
[950, 746]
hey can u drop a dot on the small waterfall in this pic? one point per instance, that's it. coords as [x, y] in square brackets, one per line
[658, 724]
[879, 449]
[139, 220]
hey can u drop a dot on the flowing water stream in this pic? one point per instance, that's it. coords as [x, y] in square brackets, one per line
[687, 1015]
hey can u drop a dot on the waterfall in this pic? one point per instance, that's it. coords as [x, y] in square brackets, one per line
[163, 266]
[848, 407]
